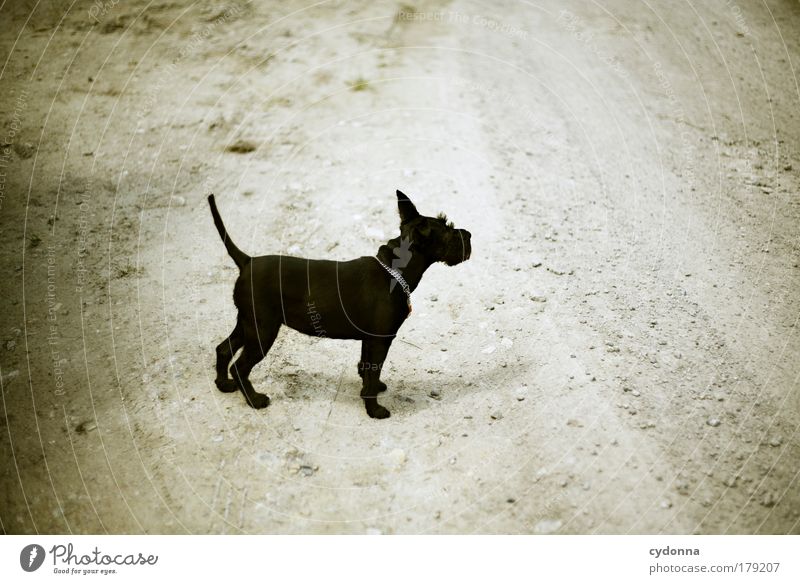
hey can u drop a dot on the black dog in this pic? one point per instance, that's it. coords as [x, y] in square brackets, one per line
[359, 299]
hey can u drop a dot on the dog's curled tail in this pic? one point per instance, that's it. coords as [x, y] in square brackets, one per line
[238, 255]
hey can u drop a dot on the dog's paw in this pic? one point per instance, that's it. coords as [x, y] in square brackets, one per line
[257, 400]
[378, 412]
[226, 385]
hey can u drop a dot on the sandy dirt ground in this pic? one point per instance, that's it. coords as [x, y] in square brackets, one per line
[619, 355]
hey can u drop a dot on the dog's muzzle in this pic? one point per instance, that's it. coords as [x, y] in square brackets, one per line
[461, 248]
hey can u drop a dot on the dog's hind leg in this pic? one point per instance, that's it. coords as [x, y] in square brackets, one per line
[375, 351]
[364, 363]
[255, 349]
[225, 352]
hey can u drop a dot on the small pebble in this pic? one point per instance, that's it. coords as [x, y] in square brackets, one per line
[775, 441]
[87, 426]
[560, 271]
[10, 375]
[769, 500]
[713, 422]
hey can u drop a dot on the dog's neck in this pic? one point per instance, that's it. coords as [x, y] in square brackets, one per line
[412, 270]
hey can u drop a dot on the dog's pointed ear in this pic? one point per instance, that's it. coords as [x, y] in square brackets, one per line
[406, 208]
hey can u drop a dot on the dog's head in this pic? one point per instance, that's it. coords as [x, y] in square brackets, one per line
[434, 237]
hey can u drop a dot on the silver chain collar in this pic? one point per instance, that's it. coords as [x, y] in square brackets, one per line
[400, 280]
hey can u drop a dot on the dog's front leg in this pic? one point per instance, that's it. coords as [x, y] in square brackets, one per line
[373, 356]
[362, 365]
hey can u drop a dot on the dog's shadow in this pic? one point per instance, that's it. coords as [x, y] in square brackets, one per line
[407, 396]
